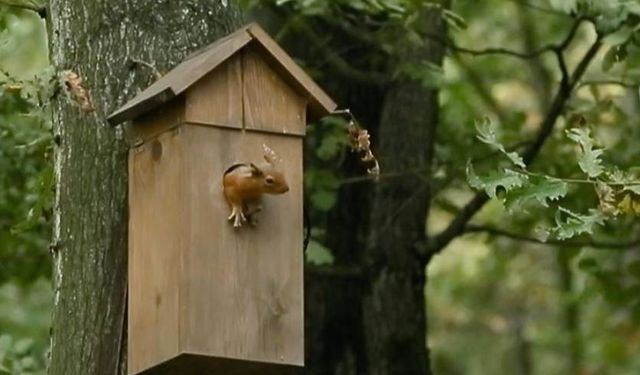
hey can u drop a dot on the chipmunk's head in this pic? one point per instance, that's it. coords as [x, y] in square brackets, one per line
[273, 180]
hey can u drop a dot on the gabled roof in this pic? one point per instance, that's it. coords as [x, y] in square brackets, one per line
[196, 66]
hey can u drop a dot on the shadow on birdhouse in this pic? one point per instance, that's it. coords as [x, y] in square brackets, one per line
[205, 297]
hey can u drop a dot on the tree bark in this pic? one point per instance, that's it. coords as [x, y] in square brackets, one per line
[99, 39]
[394, 304]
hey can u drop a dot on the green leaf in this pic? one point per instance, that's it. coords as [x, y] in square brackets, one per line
[540, 190]
[589, 158]
[619, 37]
[575, 224]
[635, 188]
[613, 56]
[454, 19]
[318, 255]
[488, 133]
[506, 179]
[567, 6]
[323, 200]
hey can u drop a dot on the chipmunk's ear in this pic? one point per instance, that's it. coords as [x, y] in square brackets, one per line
[255, 171]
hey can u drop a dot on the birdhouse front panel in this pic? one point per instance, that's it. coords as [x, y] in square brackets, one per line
[270, 103]
[243, 288]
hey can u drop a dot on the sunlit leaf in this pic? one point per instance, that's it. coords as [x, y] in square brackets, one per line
[540, 190]
[506, 179]
[488, 133]
[570, 224]
[318, 255]
[589, 157]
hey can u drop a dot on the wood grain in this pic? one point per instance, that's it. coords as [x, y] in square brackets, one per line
[242, 289]
[154, 123]
[217, 98]
[321, 104]
[270, 104]
[156, 233]
[197, 285]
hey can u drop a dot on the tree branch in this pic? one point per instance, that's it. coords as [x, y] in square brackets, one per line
[41, 10]
[339, 64]
[507, 52]
[551, 242]
[459, 223]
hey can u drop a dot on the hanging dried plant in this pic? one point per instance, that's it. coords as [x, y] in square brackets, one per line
[76, 90]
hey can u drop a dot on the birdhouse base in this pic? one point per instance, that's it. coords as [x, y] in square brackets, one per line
[193, 364]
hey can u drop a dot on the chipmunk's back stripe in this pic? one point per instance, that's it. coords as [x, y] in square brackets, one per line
[234, 167]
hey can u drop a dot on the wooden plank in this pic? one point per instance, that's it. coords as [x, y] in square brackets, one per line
[269, 103]
[321, 104]
[154, 123]
[216, 99]
[242, 291]
[197, 65]
[155, 238]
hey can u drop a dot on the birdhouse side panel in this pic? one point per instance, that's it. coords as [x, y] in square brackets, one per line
[243, 288]
[216, 99]
[166, 116]
[156, 229]
[269, 103]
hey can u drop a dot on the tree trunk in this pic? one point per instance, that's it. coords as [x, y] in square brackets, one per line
[394, 304]
[99, 39]
[571, 313]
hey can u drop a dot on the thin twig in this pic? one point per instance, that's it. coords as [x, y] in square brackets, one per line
[551, 242]
[579, 180]
[507, 52]
[339, 64]
[382, 176]
[155, 70]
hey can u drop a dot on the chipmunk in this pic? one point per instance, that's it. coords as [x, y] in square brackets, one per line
[244, 184]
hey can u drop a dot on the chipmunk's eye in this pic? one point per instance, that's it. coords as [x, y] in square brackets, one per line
[269, 180]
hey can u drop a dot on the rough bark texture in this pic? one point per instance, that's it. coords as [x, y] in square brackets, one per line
[98, 39]
[372, 317]
[394, 306]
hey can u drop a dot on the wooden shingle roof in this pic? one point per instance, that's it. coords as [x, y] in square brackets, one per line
[196, 66]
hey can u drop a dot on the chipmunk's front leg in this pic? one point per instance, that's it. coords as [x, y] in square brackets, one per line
[237, 216]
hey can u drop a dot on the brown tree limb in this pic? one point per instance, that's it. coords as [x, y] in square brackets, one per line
[459, 223]
[343, 67]
[561, 46]
[552, 242]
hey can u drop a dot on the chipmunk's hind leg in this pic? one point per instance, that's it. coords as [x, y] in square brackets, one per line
[252, 208]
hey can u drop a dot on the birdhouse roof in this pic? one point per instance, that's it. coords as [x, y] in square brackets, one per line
[197, 65]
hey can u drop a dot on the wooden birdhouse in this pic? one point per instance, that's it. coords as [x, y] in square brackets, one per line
[205, 297]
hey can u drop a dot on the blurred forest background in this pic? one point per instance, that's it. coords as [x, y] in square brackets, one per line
[501, 300]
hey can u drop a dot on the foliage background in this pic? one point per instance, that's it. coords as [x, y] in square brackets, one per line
[25, 268]
[496, 305]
